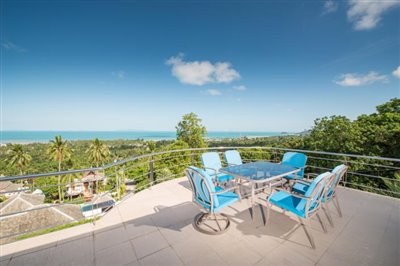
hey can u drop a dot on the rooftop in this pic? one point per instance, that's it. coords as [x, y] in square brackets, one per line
[153, 227]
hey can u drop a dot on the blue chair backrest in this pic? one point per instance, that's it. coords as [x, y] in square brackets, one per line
[339, 172]
[232, 157]
[211, 160]
[297, 160]
[315, 192]
[202, 187]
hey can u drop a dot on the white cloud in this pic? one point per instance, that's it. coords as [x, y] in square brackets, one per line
[367, 14]
[213, 92]
[359, 80]
[240, 88]
[396, 72]
[11, 46]
[330, 7]
[201, 72]
[119, 74]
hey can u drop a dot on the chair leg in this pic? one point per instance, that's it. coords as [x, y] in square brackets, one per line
[216, 220]
[305, 223]
[328, 214]
[337, 205]
[322, 223]
[211, 223]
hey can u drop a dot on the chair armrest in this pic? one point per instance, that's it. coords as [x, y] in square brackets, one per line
[292, 194]
[231, 164]
[225, 190]
[215, 170]
[305, 182]
[311, 174]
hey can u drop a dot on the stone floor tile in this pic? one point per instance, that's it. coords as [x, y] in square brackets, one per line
[109, 237]
[148, 244]
[121, 254]
[39, 258]
[163, 257]
[78, 252]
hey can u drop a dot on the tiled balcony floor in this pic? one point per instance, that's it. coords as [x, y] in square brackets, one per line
[154, 227]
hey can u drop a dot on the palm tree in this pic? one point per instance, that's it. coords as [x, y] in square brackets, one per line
[98, 152]
[18, 157]
[59, 151]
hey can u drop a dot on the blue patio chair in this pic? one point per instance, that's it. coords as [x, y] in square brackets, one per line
[303, 206]
[297, 160]
[232, 157]
[212, 165]
[212, 199]
[330, 195]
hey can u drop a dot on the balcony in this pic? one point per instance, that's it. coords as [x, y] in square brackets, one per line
[154, 227]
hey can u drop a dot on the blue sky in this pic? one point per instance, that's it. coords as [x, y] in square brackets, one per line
[240, 65]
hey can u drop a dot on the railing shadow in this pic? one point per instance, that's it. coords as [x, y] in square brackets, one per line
[171, 217]
[185, 184]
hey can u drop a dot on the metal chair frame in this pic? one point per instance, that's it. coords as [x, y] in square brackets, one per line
[331, 188]
[333, 196]
[201, 220]
[316, 196]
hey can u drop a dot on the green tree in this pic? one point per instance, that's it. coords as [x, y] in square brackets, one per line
[98, 152]
[394, 185]
[18, 158]
[381, 130]
[335, 134]
[191, 131]
[59, 151]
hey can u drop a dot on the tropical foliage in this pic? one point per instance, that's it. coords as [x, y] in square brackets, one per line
[98, 152]
[18, 158]
[191, 131]
[59, 151]
[376, 134]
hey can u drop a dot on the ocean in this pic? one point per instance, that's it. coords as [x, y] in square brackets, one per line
[44, 136]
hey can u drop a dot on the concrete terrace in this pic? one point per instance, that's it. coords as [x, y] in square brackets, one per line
[153, 227]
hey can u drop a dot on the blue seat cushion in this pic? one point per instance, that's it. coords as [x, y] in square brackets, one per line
[292, 176]
[224, 199]
[300, 188]
[288, 202]
[223, 178]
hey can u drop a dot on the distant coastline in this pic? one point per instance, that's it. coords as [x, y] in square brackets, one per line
[27, 137]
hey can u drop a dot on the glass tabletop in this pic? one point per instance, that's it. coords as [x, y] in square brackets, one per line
[257, 171]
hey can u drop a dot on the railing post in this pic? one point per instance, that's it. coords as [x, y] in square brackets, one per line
[192, 159]
[345, 175]
[151, 169]
[117, 183]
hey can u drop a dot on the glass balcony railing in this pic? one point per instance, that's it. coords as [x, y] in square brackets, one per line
[44, 202]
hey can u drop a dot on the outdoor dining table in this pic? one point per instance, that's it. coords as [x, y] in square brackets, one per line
[260, 172]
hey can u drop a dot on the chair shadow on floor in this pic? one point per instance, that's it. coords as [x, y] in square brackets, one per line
[280, 225]
[185, 184]
[171, 217]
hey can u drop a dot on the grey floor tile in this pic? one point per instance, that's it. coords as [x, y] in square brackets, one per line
[148, 244]
[78, 252]
[193, 249]
[140, 226]
[109, 237]
[163, 257]
[35, 258]
[121, 254]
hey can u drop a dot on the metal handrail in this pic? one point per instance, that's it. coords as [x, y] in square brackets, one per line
[135, 158]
